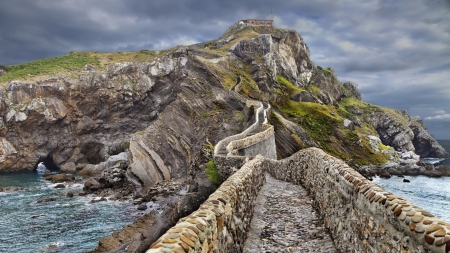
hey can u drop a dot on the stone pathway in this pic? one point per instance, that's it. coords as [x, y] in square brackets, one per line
[284, 221]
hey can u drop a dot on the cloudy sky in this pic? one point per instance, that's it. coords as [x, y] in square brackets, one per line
[397, 51]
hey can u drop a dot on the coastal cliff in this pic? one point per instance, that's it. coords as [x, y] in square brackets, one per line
[167, 109]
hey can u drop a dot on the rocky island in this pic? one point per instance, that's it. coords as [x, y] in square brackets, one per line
[143, 125]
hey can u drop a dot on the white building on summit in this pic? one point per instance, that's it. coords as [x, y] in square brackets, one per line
[257, 22]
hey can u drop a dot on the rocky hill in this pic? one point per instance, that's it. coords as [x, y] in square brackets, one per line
[165, 110]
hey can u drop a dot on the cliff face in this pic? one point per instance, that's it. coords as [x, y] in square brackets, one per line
[399, 130]
[82, 121]
[165, 109]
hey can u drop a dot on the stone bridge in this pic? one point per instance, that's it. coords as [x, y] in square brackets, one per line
[359, 215]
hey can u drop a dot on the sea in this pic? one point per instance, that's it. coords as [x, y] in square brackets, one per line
[431, 194]
[67, 224]
[74, 225]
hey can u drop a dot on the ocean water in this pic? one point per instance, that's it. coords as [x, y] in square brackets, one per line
[64, 225]
[431, 194]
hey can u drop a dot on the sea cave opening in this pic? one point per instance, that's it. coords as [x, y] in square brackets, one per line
[47, 162]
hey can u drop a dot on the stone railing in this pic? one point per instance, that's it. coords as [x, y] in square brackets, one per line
[221, 145]
[222, 221]
[229, 158]
[266, 114]
[268, 131]
[245, 142]
[360, 215]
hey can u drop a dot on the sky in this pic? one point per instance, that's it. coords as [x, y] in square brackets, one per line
[397, 51]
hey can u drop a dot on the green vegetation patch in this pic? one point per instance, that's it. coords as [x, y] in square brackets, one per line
[327, 71]
[331, 135]
[316, 119]
[213, 173]
[290, 87]
[313, 89]
[71, 62]
[48, 66]
[351, 103]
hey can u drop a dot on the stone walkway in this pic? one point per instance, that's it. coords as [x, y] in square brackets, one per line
[284, 221]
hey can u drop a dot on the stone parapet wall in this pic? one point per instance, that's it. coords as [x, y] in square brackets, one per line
[267, 112]
[222, 222]
[232, 152]
[221, 145]
[267, 148]
[361, 216]
[228, 165]
[250, 140]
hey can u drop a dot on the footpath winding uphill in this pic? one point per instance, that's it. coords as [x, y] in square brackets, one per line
[253, 212]
[283, 220]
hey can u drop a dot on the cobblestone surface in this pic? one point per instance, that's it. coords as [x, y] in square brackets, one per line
[284, 221]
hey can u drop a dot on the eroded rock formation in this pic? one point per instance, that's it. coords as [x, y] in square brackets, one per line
[166, 113]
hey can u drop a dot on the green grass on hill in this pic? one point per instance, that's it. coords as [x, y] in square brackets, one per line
[290, 88]
[71, 62]
[48, 66]
[324, 123]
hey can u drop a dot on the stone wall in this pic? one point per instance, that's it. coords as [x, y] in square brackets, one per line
[221, 145]
[266, 147]
[221, 223]
[255, 144]
[232, 152]
[228, 165]
[361, 216]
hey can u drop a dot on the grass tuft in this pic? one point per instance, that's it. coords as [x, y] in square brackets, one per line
[213, 173]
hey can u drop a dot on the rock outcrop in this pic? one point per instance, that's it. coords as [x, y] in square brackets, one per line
[405, 134]
[84, 120]
[142, 123]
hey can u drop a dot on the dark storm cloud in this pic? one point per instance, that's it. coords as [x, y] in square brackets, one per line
[397, 51]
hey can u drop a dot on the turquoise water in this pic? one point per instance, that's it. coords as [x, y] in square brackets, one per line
[431, 194]
[64, 225]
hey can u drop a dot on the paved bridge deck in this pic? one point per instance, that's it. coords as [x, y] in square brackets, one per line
[284, 221]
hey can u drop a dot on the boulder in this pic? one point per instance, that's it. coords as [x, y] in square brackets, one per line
[445, 170]
[412, 171]
[60, 186]
[60, 178]
[96, 200]
[384, 174]
[432, 173]
[92, 185]
[303, 96]
[46, 200]
[349, 124]
[115, 175]
[68, 168]
[356, 121]
[142, 206]
[91, 170]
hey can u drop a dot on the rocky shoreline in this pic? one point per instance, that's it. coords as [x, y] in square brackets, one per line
[158, 208]
[424, 169]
